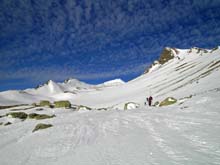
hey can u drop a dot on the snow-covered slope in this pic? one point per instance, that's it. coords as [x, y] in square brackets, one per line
[184, 133]
[177, 73]
[72, 84]
[188, 72]
[115, 82]
[48, 88]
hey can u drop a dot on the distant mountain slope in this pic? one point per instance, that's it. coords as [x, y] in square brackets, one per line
[114, 82]
[190, 71]
[178, 72]
[72, 84]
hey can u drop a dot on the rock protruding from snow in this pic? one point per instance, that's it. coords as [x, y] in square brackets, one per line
[178, 54]
[197, 50]
[214, 49]
[168, 101]
[131, 105]
[167, 55]
[83, 107]
[62, 104]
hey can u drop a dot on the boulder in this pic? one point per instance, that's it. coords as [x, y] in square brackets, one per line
[8, 123]
[168, 101]
[62, 104]
[156, 104]
[34, 104]
[20, 115]
[39, 116]
[131, 105]
[83, 107]
[44, 103]
[41, 126]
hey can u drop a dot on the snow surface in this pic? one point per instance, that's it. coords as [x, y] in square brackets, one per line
[114, 82]
[179, 134]
[184, 133]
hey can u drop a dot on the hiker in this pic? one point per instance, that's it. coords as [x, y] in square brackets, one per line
[149, 100]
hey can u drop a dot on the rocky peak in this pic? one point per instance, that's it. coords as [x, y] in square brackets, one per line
[167, 54]
[197, 50]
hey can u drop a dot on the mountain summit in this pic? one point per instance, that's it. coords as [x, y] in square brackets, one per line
[178, 54]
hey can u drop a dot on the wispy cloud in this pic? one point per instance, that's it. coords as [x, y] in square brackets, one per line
[92, 39]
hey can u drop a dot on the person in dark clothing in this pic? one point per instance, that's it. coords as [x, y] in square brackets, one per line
[149, 100]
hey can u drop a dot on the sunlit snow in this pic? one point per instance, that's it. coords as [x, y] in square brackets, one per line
[186, 132]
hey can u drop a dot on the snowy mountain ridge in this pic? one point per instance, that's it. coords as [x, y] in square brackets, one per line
[114, 82]
[171, 53]
[176, 68]
[112, 125]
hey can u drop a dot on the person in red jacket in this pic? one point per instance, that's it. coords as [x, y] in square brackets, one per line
[149, 100]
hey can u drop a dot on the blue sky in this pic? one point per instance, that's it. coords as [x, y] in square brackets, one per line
[96, 40]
